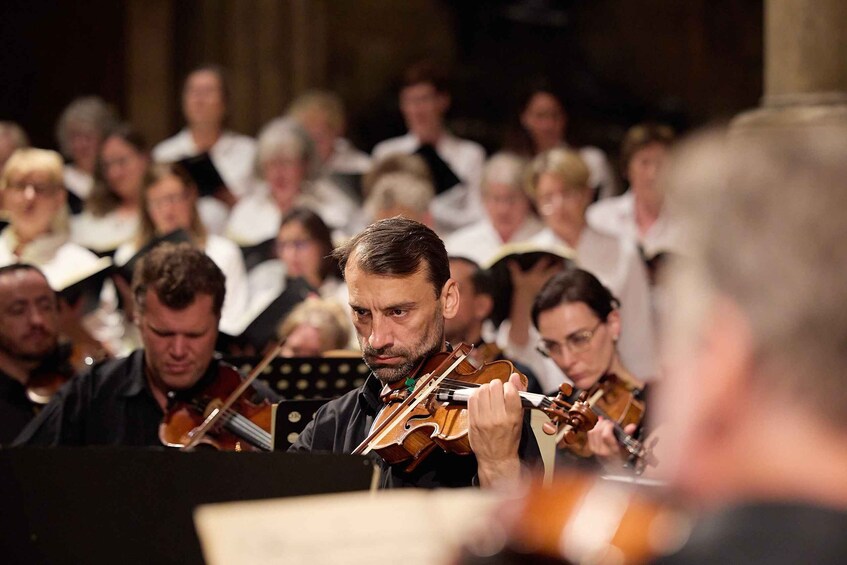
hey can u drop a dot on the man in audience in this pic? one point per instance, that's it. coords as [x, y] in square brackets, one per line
[456, 163]
[401, 293]
[178, 294]
[754, 401]
[29, 345]
[475, 306]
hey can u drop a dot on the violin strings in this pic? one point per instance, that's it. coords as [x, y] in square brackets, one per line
[245, 428]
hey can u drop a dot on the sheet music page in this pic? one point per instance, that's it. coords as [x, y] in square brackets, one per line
[404, 526]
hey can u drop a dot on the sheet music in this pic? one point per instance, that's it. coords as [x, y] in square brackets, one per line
[409, 526]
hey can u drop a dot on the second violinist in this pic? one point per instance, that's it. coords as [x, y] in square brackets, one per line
[401, 293]
[579, 322]
[178, 293]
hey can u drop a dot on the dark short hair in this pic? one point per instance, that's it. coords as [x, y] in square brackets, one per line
[574, 285]
[398, 247]
[640, 136]
[426, 72]
[318, 231]
[480, 278]
[219, 71]
[177, 273]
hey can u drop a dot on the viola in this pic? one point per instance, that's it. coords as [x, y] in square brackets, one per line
[618, 401]
[429, 411]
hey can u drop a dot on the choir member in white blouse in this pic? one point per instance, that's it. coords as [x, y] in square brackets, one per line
[80, 131]
[110, 216]
[287, 163]
[169, 203]
[205, 97]
[509, 215]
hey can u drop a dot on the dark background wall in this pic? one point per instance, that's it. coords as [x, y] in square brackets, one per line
[616, 61]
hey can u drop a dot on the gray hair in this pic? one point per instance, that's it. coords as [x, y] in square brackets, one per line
[400, 189]
[284, 137]
[505, 168]
[764, 218]
[90, 111]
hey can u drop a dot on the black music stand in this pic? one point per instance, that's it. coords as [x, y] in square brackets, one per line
[303, 378]
[109, 505]
[290, 418]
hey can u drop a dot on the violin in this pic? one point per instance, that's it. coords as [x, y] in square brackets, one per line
[429, 411]
[245, 426]
[581, 518]
[618, 401]
[48, 378]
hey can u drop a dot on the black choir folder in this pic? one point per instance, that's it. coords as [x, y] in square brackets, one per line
[204, 174]
[85, 282]
[526, 255]
[258, 326]
[177, 236]
[135, 505]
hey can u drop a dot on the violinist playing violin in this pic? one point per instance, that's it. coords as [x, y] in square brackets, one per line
[401, 293]
[29, 346]
[579, 322]
[178, 293]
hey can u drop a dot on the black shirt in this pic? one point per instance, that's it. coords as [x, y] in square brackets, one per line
[16, 410]
[342, 424]
[111, 404]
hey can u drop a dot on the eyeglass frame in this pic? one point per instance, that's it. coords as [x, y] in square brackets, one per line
[41, 190]
[587, 335]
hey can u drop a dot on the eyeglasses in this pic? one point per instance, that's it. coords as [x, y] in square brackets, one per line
[167, 200]
[577, 342]
[19, 189]
[295, 244]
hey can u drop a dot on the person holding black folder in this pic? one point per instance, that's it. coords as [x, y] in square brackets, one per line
[455, 164]
[178, 293]
[168, 205]
[288, 166]
[110, 215]
[205, 97]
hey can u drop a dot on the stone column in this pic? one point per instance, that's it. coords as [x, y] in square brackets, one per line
[805, 65]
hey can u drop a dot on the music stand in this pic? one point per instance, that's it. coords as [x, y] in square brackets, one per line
[290, 418]
[106, 505]
[303, 378]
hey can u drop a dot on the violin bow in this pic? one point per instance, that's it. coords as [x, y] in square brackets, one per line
[198, 433]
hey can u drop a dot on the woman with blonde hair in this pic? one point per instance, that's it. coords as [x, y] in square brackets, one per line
[314, 327]
[36, 203]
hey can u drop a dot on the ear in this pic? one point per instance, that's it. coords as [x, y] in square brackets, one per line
[450, 299]
[613, 321]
